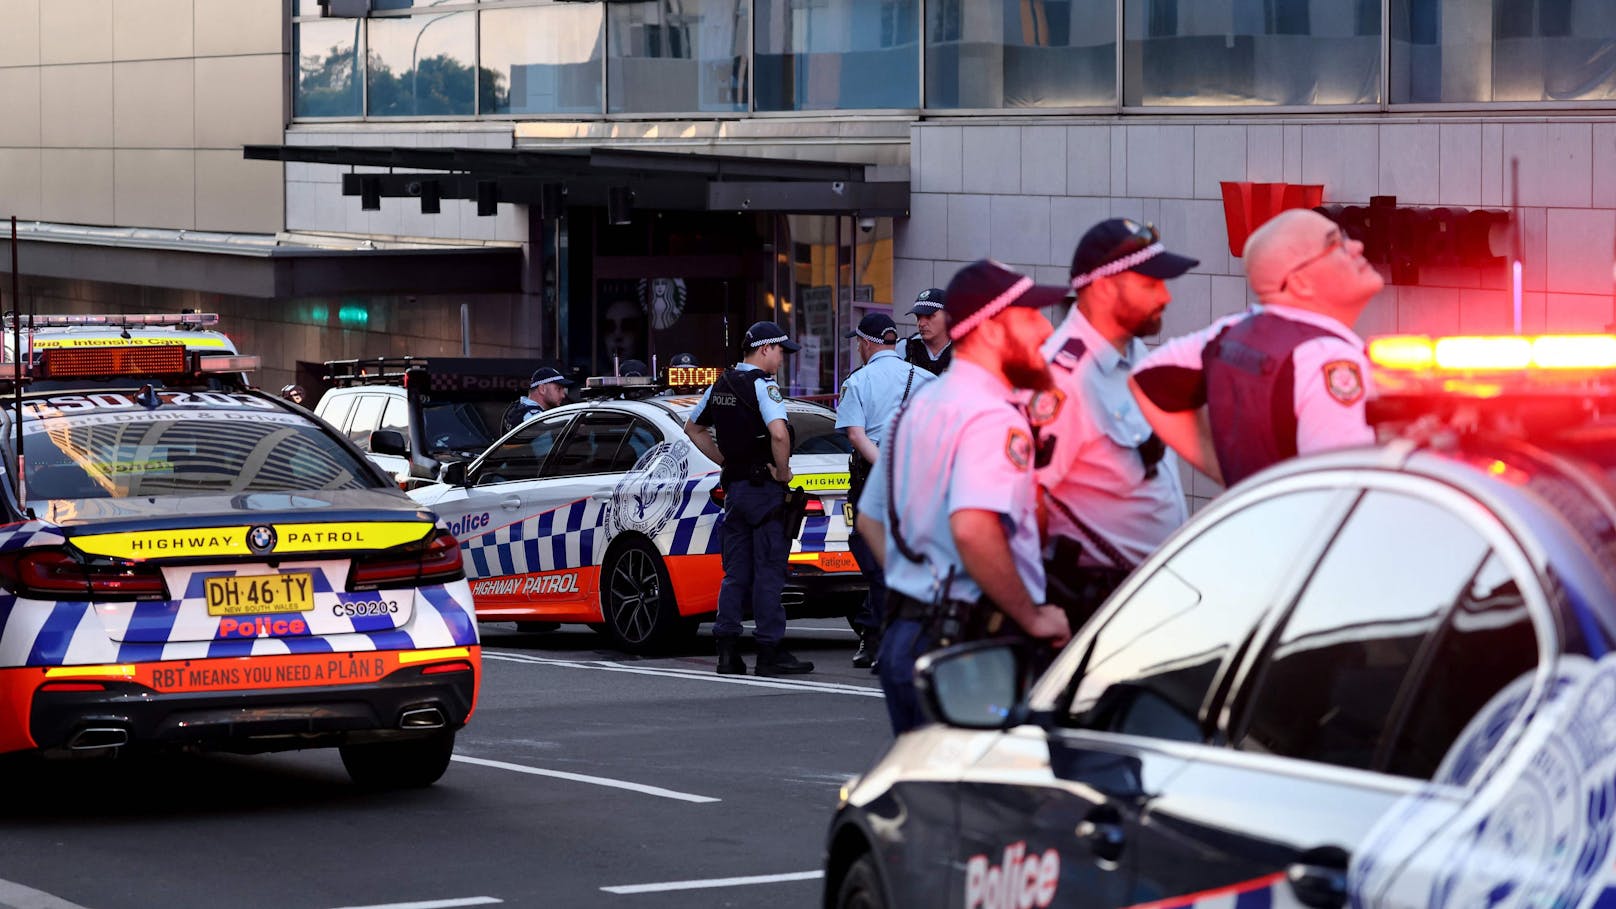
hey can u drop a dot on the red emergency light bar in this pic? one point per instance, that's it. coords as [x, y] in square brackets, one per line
[128, 320]
[1493, 354]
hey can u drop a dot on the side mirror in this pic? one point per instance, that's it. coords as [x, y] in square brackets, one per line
[453, 473]
[976, 685]
[388, 442]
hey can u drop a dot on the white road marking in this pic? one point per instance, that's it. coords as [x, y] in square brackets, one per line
[699, 675]
[581, 778]
[17, 896]
[716, 882]
[433, 903]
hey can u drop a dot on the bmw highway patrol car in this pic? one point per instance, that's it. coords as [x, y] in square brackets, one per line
[1382, 677]
[188, 563]
[603, 513]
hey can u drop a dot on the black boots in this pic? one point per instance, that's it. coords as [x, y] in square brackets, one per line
[729, 656]
[774, 659]
[869, 645]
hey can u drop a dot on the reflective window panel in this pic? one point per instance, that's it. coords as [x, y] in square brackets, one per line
[837, 54]
[1188, 53]
[689, 56]
[1468, 51]
[422, 65]
[1020, 53]
[542, 59]
[326, 58]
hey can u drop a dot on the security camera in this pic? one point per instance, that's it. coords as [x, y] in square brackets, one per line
[866, 224]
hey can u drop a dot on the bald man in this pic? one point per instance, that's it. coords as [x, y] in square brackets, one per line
[1288, 377]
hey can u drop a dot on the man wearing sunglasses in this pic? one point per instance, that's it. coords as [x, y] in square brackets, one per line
[1111, 488]
[1288, 377]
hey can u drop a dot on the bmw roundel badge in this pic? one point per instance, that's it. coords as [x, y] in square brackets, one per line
[261, 539]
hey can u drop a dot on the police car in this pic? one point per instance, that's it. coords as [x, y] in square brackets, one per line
[1378, 677]
[603, 513]
[186, 563]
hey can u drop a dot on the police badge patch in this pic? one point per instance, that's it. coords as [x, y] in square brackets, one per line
[1344, 381]
[774, 394]
[1044, 407]
[1018, 448]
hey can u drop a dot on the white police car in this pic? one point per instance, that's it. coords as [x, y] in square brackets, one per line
[602, 513]
[1383, 677]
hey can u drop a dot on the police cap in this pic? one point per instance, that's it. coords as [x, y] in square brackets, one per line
[546, 375]
[928, 302]
[762, 333]
[876, 327]
[985, 288]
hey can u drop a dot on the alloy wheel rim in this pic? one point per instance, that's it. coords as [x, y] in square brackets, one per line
[636, 596]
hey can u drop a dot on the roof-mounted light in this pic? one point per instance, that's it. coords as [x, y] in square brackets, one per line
[1493, 354]
[86, 362]
[130, 320]
[693, 376]
[236, 363]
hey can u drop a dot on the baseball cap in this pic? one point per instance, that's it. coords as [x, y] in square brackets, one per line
[928, 302]
[1120, 244]
[985, 288]
[874, 326]
[683, 359]
[762, 333]
[631, 368]
[545, 375]
[1281, 245]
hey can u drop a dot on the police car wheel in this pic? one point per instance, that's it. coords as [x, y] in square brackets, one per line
[637, 600]
[861, 886]
[407, 764]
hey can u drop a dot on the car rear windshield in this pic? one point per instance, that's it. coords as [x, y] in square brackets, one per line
[102, 452]
[816, 433]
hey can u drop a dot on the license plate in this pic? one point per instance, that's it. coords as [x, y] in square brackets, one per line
[847, 513]
[253, 594]
[837, 561]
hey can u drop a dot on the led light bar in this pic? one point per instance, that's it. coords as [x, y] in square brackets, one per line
[685, 376]
[65, 320]
[1493, 354]
[236, 363]
[619, 381]
[156, 359]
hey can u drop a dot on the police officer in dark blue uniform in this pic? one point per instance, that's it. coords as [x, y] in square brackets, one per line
[931, 348]
[753, 449]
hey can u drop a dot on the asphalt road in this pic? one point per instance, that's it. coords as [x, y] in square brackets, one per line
[585, 778]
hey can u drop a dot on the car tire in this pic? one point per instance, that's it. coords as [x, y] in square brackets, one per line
[861, 886]
[636, 600]
[405, 764]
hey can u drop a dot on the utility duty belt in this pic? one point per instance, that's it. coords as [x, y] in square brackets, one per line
[951, 621]
[858, 474]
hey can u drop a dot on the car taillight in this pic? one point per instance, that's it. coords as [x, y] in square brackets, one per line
[58, 574]
[814, 507]
[433, 560]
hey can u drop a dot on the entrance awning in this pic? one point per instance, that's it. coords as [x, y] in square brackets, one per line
[257, 265]
[653, 180]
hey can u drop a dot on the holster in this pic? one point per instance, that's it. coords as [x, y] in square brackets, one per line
[858, 473]
[793, 511]
[1078, 589]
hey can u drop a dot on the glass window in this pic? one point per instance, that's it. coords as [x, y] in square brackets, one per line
[327, 56]
[1020, 53]
[1487, 646]
[367, 416]
[1455, 51]
[592, 446]
[1152, 666]
[422, 65]
[837, 54]
[542, 59]
[1332, 680]
[397, 417]
[642, 436]
[523, 455]
[1236, 52]
[334, 409]
[814, 432]
[690, 56]
[462, 427]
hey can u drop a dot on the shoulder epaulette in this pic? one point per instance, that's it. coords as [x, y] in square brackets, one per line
[1070, 354]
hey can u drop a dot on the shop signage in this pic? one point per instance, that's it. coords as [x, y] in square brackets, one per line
[1407, 239]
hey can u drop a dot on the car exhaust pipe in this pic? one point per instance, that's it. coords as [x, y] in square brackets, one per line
[422, 718]
[96, 738]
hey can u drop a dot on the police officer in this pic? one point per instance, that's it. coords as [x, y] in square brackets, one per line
[547, 389]
[930, 348]
[951, 508]
[683, 359]
[1111, 488]
[869, 398]
[633, 368]
[1287, 378]
[753, 450]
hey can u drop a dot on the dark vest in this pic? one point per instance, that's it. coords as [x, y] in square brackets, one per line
[914, 351]
[743, 438]
[519, 412]
[1251, 392]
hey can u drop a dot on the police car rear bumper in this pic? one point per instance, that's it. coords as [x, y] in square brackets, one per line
[405, 704]
[811, 593]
